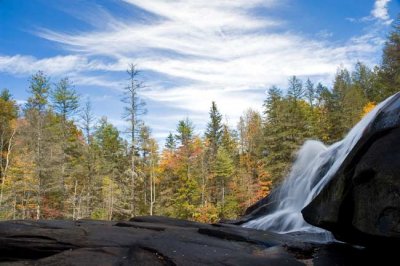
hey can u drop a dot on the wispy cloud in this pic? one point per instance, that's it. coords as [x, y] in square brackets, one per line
[26, 65]
[213, 50]
[221, 44]
[380, 11]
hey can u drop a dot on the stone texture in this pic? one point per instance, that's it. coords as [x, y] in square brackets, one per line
[158, 241]
[361, 203]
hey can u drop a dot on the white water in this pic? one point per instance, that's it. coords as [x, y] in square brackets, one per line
[302, 185]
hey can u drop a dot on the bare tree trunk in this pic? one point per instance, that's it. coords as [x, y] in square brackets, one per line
[203, 181]
[24, 200]
[134, 108]
[87, 118]
[223, 197]
[133, 183]
[64, 156]
[133, 127]
[63, 182]
[152, 192]
[154, 196]
[14, 207]
[37, 212]
[79, 211]
[4, 171]
[145, 189]
[81, 207]
[39, 167]
[111, 202]
[74, 201]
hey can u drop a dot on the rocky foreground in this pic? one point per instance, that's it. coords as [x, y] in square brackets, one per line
[164, 241]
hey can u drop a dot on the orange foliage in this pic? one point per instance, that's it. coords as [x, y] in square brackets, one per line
[206, 214]
[368, 108]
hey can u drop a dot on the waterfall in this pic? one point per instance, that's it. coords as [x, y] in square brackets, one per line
[312, 170]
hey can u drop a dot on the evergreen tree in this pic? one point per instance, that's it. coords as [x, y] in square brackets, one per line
[107, 139]
[363, 78]
[144, 167]
[88, 158]
[65, 103]
[108, 177]
[213, 136]
[187, 194]
[170, 143]
[337, 115]
[35, 112]
[110, 149]
[223, 170]
[389, 72]
[5, 95]
[310, 92]
[295, 89]
[39, 89]
[65, 99]
[228, 141]
[134, 109]
[184, 132]
[287, 124]
[274, 133]
[214, 130]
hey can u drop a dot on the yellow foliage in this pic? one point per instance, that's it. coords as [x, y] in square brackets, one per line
[206, 214]
[368, 108]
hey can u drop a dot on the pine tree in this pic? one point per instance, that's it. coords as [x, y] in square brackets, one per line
[188, 193]
[154, 160]
[39, 89]
[170, 143]
[184, 132]
[35, 112]
[286, 126]
[5, 95]
[389, 72]
[213, 136]
[335, 105]
[88, 160]
[144, 167]
[310, 92]
[135, 107]
[274, 133]
[110, 150]
[214, 130]
[363, 78]
[223, 169]
[65, 103]
[65, 99]
[229, 141]
[295, 89]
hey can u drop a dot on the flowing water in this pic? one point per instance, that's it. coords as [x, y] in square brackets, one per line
[312, 170]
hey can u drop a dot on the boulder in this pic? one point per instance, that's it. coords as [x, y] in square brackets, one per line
[162, 241]
[361, 203]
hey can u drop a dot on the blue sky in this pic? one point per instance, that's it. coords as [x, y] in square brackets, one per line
[190, 52]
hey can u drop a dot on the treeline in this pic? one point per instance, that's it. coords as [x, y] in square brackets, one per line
[58, 161]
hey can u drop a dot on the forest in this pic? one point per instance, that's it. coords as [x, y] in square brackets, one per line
[58, 162]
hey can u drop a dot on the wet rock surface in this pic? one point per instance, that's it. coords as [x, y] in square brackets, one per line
[361, 203]
[161, 241]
